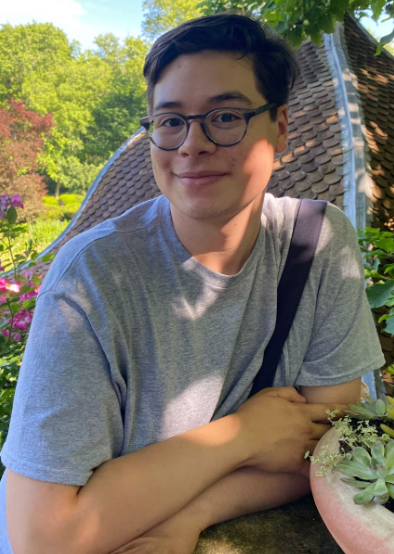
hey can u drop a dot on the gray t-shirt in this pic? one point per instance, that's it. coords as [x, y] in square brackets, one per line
[134, 341]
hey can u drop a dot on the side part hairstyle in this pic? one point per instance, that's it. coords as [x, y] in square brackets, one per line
[274, 64]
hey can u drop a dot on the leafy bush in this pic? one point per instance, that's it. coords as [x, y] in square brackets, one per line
[39, 234]
[67, 199]
[50, 201]
[63, 208]
[19, 286]
[378, 247]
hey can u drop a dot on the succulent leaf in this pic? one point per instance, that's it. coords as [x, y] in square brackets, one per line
[390, 488]
[365, 496]
[389, 454]
[381, 499]
[377, 452]
[387, 430]
[380, 489]
[380, 407]
[382, 472]
[360, 455]
[390, 400]
[356, 470]
[355, 482]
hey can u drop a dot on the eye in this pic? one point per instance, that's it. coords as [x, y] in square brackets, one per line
[168, 121]
[225, 117]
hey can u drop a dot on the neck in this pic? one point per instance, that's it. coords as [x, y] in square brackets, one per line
[222, 246]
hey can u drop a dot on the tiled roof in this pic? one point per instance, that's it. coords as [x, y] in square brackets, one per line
[375, 85]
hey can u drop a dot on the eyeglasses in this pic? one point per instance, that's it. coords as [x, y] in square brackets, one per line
[223, 126]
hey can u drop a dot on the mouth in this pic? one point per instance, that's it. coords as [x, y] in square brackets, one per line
[199, 179]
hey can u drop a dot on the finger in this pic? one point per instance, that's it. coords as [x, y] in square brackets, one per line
[318, 412]
[287, 393]
[320, 429]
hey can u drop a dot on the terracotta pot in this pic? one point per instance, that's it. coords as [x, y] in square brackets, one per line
[357, 529]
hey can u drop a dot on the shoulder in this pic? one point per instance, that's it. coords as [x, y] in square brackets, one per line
[102, 246]
[281, 213]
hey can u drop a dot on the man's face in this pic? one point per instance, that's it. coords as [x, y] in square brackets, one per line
[242, 171]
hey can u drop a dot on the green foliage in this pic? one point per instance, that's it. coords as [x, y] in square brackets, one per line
[95, 97]
[366, 455]
[18, 290]
[62, 209]
[372, 472]
[378, 247]
[297, 20]
[162, 15]
[40, 233]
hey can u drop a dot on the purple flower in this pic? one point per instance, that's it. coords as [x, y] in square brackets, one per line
[16, 201]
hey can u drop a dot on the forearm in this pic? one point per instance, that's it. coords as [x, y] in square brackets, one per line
[129, 495]
[245, 491]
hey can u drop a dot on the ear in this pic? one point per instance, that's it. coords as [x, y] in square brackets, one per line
[282, 122]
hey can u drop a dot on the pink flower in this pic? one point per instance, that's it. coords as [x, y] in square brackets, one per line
[28, 296]
[28, 274]
[15, 336]
[3, 299]
[16, 201]
[22, 320]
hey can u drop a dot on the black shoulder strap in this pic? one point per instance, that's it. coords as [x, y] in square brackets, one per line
[307, 226]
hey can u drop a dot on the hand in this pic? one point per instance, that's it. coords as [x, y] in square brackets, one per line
[280, 427]
[177, 535]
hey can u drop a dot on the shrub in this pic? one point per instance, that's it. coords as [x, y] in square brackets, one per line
[62, 208]
[67, 199]
[50, 201]
[19, 287]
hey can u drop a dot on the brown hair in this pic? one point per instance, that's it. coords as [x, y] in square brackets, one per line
[274, 64]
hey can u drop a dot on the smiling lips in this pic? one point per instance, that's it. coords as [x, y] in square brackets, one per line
[200, 178]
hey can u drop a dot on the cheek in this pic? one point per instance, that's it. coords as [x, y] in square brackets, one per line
[160, 163]
[258, 163]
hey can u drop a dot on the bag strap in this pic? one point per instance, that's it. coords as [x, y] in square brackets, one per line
[306, 232]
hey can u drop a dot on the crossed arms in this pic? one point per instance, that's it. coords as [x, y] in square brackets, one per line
[242, 463]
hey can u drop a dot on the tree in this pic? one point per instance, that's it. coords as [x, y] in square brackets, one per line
[296, 20]
[22, 134]
[163, 15]
[95, 97]
[116, 116]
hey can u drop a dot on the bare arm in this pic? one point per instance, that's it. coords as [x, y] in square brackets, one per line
[248, 490]
[129, 495]
[244, 491]
[345, 393]
[125, 496]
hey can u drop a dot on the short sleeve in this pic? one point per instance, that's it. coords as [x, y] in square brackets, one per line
[66, 419]
[343, 342]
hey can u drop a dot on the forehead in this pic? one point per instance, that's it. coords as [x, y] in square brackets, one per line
[204, 78]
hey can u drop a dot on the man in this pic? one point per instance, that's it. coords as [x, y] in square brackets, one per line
[131, 429]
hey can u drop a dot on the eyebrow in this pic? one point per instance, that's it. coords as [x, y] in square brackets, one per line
[224, 96]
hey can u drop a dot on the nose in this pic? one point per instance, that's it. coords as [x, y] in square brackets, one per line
[196, 142]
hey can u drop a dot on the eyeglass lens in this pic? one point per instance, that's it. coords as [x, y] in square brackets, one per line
[223, 126]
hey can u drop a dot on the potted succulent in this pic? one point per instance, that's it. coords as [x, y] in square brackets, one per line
[354, 487]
